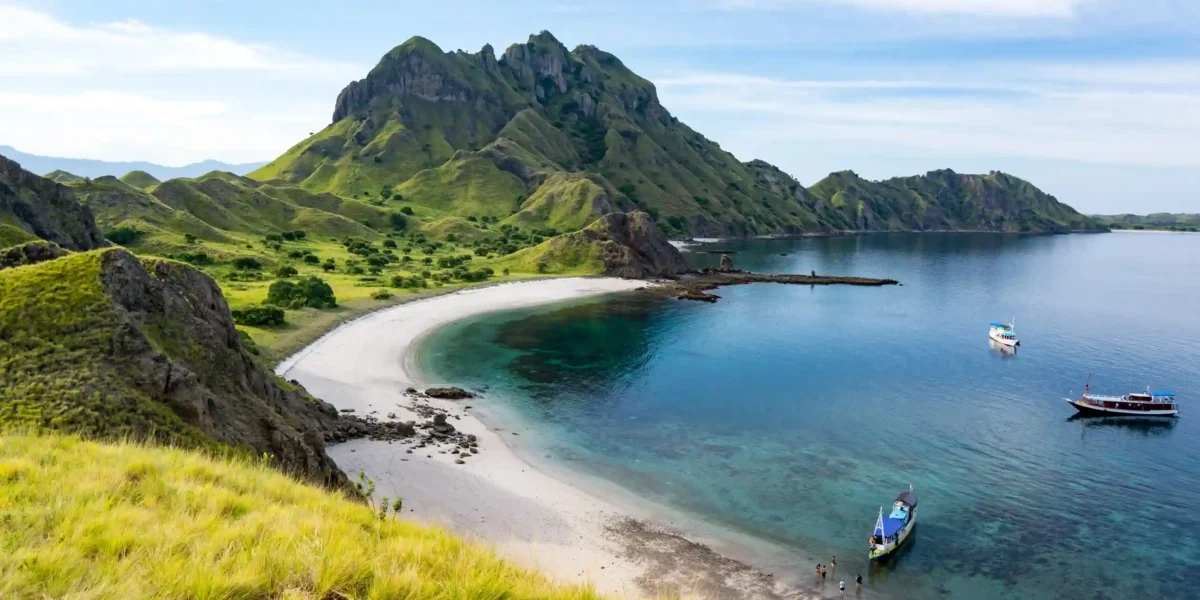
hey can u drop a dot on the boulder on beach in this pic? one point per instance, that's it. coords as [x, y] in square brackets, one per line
[448, 393]
[726, 263]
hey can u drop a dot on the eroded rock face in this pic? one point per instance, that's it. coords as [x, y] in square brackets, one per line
[46, 209]
[633, 247]
[179, 347]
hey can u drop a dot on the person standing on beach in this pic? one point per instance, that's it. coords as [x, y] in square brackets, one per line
[833, 563]
[858, 581]
[842, 587]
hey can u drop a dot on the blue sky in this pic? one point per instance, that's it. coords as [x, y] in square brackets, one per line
[1094, 101]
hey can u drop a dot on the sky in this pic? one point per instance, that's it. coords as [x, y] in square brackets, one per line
[1094, 101]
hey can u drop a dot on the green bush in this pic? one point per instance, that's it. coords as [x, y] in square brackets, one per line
[389, 243]
[259, 316]
[307, 291]
[246, 263]
[195, 258]
[285, 271]
[407, 210]
[123, 236]
[400, 281]
[311, 259]
[189, 238]
[397, 220]
[381, 294]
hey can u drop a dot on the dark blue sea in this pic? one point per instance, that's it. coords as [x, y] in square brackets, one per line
[792, 413]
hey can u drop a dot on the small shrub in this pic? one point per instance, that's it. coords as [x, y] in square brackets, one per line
[397, 220]
[381, 294]
[311, 259]
[389, 243]
[407, 210]
[195, 258]
[285, 271]
[189, 238]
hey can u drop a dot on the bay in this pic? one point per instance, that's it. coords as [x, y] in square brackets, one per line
[792, 413]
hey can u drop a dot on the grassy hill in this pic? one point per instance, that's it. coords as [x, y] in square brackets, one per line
[118, 521]
[462, 134]
[140, 179]
[1153, 221]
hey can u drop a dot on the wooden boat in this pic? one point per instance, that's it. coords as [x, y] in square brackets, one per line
[891, 531]
[1148, 404]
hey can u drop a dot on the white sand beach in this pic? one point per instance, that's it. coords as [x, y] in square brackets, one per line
[527, 515]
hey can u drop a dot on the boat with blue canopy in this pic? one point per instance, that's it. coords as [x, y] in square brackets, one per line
[891, 531]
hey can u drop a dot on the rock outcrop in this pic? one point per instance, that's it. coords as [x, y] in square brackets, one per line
[107, 344]
[46, 209]
[631, 246]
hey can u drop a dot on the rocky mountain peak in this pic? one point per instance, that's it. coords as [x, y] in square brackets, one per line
[542, 62]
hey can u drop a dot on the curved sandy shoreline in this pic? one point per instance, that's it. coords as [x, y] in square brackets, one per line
[528, 515]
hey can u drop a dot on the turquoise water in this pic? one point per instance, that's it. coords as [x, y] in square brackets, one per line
[792, 413]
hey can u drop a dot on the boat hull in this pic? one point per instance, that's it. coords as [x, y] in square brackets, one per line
[878, 553]
[1090, 409]
[1011, 343]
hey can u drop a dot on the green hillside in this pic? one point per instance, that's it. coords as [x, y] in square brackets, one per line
[546, 137]
[1154, 221]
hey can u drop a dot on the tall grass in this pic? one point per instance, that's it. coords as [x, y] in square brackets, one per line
[96, 521]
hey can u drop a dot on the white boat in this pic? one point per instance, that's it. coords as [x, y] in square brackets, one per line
[1004, 334]
[1149, 404]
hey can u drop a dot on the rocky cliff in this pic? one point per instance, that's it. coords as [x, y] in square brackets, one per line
[106, 344]
[45, 209]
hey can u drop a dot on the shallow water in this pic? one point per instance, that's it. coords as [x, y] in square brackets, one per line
[792, 413]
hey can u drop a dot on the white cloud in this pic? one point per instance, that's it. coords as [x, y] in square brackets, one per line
[37, 44]
[127, 90]
[115, 125]
[1112, 114]
[1007, 8]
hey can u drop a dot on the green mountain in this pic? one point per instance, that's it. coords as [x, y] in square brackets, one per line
[546, 137]
[942, 200]
[1162, 221]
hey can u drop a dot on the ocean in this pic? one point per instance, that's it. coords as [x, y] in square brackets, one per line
[793, 413]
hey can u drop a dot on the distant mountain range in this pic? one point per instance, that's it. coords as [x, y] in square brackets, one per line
[86, 167]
